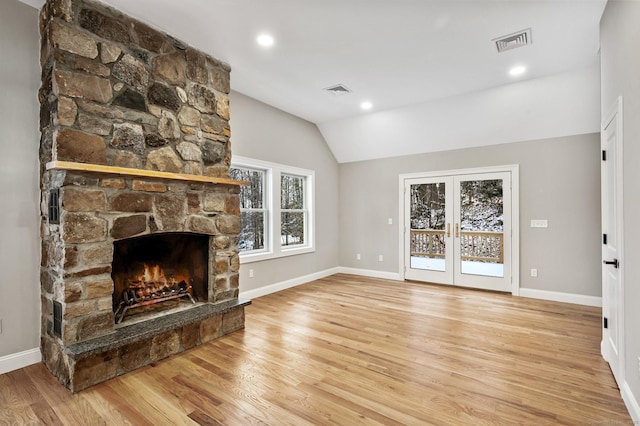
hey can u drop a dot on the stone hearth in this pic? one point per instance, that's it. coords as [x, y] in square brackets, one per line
[135, 141]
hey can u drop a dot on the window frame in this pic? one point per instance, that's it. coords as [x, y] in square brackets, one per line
[273, 171]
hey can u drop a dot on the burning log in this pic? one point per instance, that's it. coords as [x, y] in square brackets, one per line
[151, 288]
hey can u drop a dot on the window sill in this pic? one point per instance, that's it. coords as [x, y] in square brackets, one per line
[258, 257]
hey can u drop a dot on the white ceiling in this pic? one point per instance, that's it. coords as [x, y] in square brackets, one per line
[394, 53]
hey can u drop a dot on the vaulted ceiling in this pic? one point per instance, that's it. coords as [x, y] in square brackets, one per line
[406, 57]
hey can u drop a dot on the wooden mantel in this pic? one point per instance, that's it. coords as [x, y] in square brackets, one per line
[125, 171]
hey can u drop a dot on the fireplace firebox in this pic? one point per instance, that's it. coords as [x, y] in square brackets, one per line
[158, 272]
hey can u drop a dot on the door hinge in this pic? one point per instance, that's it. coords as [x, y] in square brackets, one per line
[604, 239]
[605, 322]
[604, 155]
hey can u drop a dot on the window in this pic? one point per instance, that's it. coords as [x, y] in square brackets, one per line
[276, 209]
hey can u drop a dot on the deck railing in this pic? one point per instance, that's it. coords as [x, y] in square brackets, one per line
[476, 246]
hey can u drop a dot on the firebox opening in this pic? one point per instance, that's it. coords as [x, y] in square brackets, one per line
[155, 273]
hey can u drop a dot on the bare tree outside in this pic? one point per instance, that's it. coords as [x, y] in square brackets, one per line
[293, 210]
[253, 212]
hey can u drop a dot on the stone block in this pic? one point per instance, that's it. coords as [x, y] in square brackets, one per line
[164, 345]
[170, 68]
[99, 110]
[189, 151]
[196, 66]
[219, 170]
[83, 200]
[95, 125]
[148, 38]
[232, 321]
[77, 85]
[99, 287]
[109, 52]
[213, 202]
[78, 309]
[190, 336]
[210, 328]
[189, 116]
[193, 167]
[67, 111]
[170, 210]
[222, 242]
[104, 269]
[78, 228]
[128, 136]
[222, 107]
[212, 152]
[72, 291]
[95, 325]
[234, 263]
[228, 224]
[128, 226]
[104, 26]
[193, 202]
[163, 96]
[114, 183]
[134, 202]
[164, 160]
[69, 39]
[135, 355]
[202, 98]
[130, 99]
[70, 256]
[202, 225]
[142, 185]
[94, 369]
[81, 63]
[127, 159]
[219, 76]
[98, 254]
[154, 140]
[131, 71]
[213, 124]
[168, 127]
[81, 147]
[221, 265]
[232, 205]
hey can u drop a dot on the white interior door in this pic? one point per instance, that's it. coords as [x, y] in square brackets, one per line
[612, 289]
[457, 230]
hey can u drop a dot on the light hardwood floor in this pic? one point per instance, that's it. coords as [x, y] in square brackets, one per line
[352, 350]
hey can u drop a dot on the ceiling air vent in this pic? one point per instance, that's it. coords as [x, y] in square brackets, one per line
[337, 90]
[512, 41]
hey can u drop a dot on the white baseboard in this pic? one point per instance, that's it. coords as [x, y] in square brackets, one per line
[20, 360]
[557, 296]
[370, 273]
[283, 285]
[631, 402]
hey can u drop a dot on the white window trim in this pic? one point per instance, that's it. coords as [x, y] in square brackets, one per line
[273, 249]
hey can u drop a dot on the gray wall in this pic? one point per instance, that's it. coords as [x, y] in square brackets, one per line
[559, 181]
[620, 59]
[19, 215]
[265, 133]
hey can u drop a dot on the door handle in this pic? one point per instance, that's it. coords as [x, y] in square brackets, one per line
[448, 230]
[613, 262]
[457, 231]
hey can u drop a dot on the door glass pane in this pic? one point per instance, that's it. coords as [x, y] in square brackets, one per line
[481, 228]
[428, 226]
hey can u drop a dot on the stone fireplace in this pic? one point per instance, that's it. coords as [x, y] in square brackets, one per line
[140, 219]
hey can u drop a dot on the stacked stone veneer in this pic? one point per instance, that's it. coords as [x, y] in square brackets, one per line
[117, 92]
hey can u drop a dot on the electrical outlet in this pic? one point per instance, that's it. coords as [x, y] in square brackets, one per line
[358, 257]
[534, 272]
[250, 273]
[390, 221]
[380, 258]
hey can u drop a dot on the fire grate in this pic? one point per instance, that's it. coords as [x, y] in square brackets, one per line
[141, 293]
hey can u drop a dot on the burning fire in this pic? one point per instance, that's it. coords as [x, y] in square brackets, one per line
[153, 274]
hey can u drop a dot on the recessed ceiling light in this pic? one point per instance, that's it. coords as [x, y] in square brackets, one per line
[366, 105]
[516, 71]
[265, 40]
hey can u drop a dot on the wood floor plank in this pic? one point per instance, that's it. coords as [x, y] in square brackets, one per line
[354, 350]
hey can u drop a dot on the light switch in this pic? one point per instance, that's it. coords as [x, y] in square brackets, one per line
[539, 223]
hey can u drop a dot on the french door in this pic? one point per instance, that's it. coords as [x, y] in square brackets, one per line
[457, 229]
